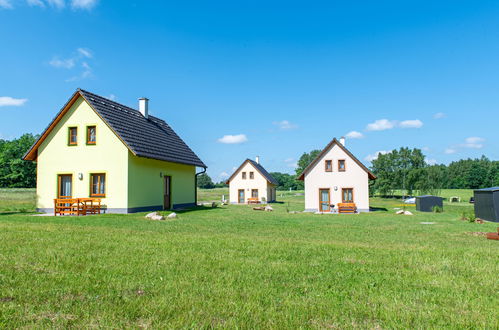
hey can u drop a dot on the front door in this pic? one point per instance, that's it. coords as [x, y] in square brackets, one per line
[240, 194]
[167, 197]
[324, 200]
[347, 195]
[64, 186]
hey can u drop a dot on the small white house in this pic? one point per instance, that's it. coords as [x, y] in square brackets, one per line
[251, 183]
[336, 176]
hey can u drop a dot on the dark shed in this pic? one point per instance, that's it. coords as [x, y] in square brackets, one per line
[426, 203]
[487, 204]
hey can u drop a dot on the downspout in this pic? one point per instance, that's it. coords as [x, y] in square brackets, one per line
[196, 186]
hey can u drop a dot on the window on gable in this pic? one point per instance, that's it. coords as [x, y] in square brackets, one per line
[252, 175]
[329, 165]
[97, 185]
[72, 136]
[91, 134]
[341, 165]
[244, 175]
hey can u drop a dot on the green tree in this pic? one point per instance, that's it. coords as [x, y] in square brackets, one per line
[398, 170]
[204, 181]
[305, 160]
[287, 181]
[15, 172]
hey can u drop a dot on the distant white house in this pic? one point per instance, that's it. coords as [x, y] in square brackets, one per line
[251, 183]
[336, 176]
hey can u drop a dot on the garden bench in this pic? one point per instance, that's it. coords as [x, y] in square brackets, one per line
[77, 206]
[253, 200]
[347, 208]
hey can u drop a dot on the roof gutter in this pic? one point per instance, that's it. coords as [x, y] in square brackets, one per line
[196, 186]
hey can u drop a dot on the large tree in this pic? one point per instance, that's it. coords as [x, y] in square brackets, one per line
[204, 181]
[305, 160]
[15, 172]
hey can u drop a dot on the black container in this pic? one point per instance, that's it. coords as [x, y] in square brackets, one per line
[487, 204]
[426, 203]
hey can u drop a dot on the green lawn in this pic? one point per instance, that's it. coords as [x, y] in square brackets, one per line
[235, 267]
[17, 200]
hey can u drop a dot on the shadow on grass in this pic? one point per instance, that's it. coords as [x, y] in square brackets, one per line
[198, 208]
[17, 212]
[374, 209]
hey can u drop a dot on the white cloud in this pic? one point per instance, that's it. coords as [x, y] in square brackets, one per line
[223, 175]
[85, 52]
[67, 63]
[233, 139]
[80, 58]
[36, 3]
[374, 156]
[473, 142]
[439, 115]
[425, 148]
[354, 135]
[415, 123]
[381, 125]
[6, 4]
[285, 125]
[59, 4]
[290, 162]
[83, 4]
[431, 161]
[6, 101]
[385, 124]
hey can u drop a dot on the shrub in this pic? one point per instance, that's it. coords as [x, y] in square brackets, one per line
[437, 209]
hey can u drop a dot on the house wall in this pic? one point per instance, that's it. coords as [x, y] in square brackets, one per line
[354, 177]
[146, 186]
[259, 182]
[109, 155]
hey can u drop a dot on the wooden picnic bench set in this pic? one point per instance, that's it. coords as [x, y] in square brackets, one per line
[77, 206]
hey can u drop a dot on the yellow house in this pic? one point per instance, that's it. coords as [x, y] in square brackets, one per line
[95, 147]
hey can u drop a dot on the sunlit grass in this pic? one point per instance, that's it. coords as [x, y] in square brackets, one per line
[234, 267]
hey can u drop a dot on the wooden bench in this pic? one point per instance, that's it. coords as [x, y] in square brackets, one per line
[90, 205]
[253, 200]
[347, 208]
[77, 206]
[66, 206]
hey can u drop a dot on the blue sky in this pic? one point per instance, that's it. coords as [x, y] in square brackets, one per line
[237, 79]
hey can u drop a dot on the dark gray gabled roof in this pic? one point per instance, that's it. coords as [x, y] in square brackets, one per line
[150, 138]
[259, 168]
[488, 189]
[264, 172]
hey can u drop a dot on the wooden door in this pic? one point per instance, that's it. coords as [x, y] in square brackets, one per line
[240, 194]
[324, 200]
[167, 196]
[64, 186]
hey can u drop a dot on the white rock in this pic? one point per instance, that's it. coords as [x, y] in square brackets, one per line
[172, 215]
[157, 217]
[400, 212]
[152, 214]
[269, 208]
[408, 213]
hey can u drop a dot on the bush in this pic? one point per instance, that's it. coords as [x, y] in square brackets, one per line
[437, 209]
[468, 216]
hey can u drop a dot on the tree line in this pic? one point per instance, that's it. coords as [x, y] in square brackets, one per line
[404, 168]
[407, 169]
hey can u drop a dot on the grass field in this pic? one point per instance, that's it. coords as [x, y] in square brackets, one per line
[234, 267]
